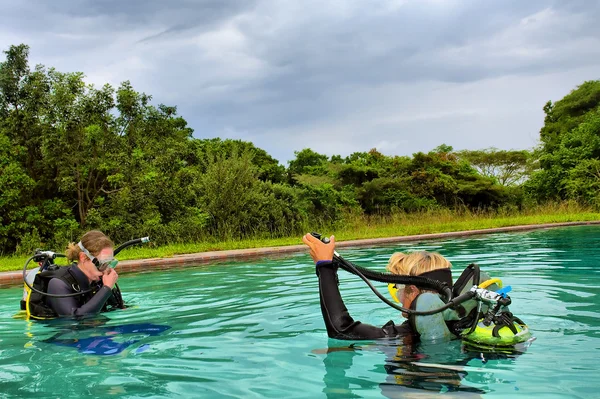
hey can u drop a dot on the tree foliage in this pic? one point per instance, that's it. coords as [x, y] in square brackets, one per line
[569, 153]
[74, 157]
[507, 167]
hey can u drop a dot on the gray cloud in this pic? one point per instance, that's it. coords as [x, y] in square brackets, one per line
[402, 76]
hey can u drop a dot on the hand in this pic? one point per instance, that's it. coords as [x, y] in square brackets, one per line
[318, 249]
[110, 278]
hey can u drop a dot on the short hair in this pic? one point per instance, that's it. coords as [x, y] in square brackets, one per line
[416, 263]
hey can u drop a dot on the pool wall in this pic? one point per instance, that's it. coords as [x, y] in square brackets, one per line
[12, 279]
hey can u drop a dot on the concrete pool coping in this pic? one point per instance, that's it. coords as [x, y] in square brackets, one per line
[11, 279]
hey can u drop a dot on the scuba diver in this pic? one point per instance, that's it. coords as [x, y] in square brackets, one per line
[339, 323]
[475, 308]
[84, 288]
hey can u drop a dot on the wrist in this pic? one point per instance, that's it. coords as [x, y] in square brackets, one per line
[323, 262]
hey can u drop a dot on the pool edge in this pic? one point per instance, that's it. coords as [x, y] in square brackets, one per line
[15, 278]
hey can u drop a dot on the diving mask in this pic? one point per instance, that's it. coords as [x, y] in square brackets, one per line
[101, 265]
[396, 291]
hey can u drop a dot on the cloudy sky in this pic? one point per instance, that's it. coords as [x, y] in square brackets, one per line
[337, 76]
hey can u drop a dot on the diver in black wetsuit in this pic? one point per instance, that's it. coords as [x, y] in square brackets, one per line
[94, 269]
[338, 321]
[406, 374]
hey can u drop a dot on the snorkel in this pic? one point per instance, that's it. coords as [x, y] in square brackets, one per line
[46, 259]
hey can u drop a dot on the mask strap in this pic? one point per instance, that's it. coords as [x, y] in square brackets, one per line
[89, 255]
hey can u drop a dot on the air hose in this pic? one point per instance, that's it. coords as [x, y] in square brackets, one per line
[366, 275]
[45, 256]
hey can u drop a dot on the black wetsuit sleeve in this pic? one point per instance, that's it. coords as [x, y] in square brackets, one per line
[339, 323]
[69, 306]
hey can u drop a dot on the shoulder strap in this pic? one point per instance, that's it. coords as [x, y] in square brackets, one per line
[36, 305]
[470, 276]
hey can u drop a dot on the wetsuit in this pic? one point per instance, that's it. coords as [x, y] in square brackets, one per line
[339, 323]
[76, 306]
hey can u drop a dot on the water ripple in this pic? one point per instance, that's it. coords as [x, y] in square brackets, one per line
[254, 329]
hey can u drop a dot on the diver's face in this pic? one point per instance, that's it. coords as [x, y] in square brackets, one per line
[407, 296]
[88, 267]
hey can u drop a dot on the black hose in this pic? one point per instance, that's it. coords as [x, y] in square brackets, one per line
[130, 243]
[421, 282]
[366, 275]
[350, 267]
[44, 258]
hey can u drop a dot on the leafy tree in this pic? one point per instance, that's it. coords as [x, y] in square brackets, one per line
[83, 145]
[386, 195]
[566, 114]
[16, 188]
[307, 162]
[570, 148]
[269, 168]
[571, 170]
[230, 192]
[507, 167]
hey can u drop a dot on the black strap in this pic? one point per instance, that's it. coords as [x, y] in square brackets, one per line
[471, 273]
[443, 275]
[505, 319]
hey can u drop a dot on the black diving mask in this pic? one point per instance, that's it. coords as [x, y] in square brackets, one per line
[101, 265]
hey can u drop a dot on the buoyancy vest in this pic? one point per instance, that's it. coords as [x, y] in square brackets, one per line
[35, 303]
[468, 320]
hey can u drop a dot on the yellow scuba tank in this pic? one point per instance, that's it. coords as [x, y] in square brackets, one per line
[493, 324]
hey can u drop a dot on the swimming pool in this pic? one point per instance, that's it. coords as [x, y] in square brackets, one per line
[254, 329]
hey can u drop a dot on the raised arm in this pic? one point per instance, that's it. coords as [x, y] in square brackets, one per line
[339, 323]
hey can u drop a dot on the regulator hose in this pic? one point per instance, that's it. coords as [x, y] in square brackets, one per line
[43, 256]
[366, 275]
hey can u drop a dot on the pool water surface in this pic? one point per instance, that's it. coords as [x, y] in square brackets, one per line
[254, 329]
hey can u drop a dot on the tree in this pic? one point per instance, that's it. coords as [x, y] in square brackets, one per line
[83, 144]
[566, 114]
[307, 162]
[572, 169]
[507, 167]
[570, 148]
[269, 168]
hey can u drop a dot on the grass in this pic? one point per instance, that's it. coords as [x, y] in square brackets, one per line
[366, 227]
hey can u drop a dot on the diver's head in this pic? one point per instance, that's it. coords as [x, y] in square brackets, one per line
[421, 263]
[416, 263]
[94, 254]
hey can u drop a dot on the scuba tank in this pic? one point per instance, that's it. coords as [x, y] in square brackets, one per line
[483, 319]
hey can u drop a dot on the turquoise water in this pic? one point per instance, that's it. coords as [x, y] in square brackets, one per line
[254, 329]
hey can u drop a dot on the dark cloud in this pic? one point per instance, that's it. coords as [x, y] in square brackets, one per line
[404, 75]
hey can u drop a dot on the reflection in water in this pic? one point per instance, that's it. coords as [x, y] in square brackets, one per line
[93, 336]
[106, 340]
[413, 370]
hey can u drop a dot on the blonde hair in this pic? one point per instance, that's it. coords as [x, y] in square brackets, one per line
[94, 241]
[416, 263]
